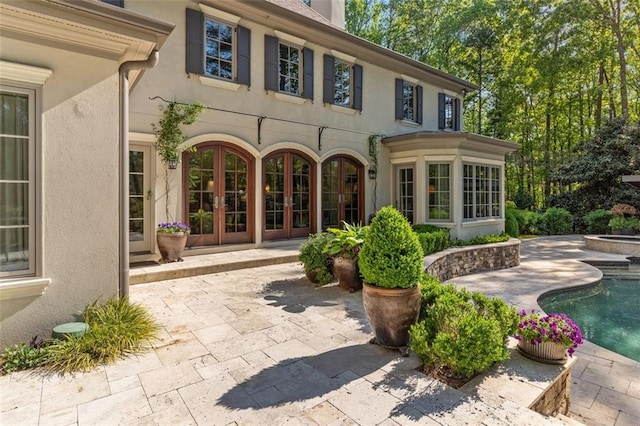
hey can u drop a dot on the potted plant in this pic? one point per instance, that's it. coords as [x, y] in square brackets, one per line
[172, 238]
[621, 225]
[343, 249]
[624, 220]
[317, 264]
[547, 338]
[391, 262]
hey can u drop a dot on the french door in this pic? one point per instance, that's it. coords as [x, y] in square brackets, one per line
[140, 197]
[342, 192]
[218, 195]
[405, 191]
[288, 195]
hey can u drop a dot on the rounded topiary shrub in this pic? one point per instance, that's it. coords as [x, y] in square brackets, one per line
[391, 256]
[597, 221]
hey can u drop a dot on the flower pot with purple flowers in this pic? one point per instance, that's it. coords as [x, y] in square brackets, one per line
[547, 338]
[172, 239]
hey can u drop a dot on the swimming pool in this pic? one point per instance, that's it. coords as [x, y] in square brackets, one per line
[608, 314]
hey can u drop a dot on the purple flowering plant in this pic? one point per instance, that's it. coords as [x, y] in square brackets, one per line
[173, 228]
[559, 328]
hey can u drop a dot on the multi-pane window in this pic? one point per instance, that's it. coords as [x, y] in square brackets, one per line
[17, 179]
[342, 87]
[405, 192]
[439, 198]
[218, 49]
[481, 192]
[289, 69]
[408, 101]
[449, 113]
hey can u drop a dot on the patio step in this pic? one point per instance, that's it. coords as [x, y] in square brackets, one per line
[213, 263]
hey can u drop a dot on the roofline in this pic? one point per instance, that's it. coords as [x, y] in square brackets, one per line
[357, 42]
[411, 138]
[161, 29]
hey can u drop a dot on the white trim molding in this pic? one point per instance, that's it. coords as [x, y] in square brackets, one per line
[24, 73]
[32, 287]
[409, 79]
[342, 110]
[220, 84]
[225, 16]
[293, 99]
[221, 137]
[343, 56]
[289, 38]
[403, 160]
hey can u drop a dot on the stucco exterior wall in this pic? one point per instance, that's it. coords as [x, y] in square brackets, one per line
[169, 81]
[79, 192]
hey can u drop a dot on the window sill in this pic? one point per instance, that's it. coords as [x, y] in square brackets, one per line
[293, 99]
[409, 123]
[472, 223]
[220, 84]
[30, 287]
[342, 110]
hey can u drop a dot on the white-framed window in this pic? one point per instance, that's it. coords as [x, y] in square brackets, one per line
[405, 191]
[439, 187]
[481, 191]
[342, 82]
[449, 116]
[449, 112]
[17, 182]
[343, 77]
[219, 45]
[289, 61]
[409, 101]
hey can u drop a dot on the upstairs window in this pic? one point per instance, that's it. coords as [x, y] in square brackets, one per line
[288, 68]
[408, 101]
[342, 83]
[119, 3]
[449, 114]
[217, 49]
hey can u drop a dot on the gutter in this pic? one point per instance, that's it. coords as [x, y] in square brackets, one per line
[123, 168]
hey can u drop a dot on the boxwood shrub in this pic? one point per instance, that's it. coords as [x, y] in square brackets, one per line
[461, 333]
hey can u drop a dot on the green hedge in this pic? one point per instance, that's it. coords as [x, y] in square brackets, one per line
[432, 238]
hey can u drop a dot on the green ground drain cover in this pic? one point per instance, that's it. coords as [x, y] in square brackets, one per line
[75, 329]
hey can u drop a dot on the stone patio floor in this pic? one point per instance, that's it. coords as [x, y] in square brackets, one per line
[262, 346]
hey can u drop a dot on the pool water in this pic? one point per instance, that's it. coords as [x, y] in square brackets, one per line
[607, 314]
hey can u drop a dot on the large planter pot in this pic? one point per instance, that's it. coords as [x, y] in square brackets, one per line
[346, 271]
[391, 312]
[545, 352]
[171, 246]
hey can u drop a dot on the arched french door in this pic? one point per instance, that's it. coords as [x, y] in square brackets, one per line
[342, 191]
[218, 187]
[289, 198]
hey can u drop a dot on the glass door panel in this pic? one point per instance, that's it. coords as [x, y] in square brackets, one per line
[287, 196]
[342, 194]
[140, 226]
[218, 195]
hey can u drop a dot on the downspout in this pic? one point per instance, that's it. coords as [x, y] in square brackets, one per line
[123, 168]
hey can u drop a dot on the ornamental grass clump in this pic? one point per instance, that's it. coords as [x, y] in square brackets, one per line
[557, 328]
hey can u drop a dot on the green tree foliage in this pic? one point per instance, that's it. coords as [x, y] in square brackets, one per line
[550, 73]
[596, 168]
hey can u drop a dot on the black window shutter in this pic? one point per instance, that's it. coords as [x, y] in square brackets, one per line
[399, 99]
[307, 76]
[329, 80]
[270, 63]
[357, 87]
[441, 102]
[244, 55]
[419, 104]
[195, 42]
[457, 114]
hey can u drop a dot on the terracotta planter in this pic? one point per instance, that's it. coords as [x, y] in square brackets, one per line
[545, 352]
[345, 270]
[171, 246]
[391, 312]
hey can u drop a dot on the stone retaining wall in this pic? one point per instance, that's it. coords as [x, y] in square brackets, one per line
[459, 261]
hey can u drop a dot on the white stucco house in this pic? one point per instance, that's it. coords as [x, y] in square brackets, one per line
[283, 149]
